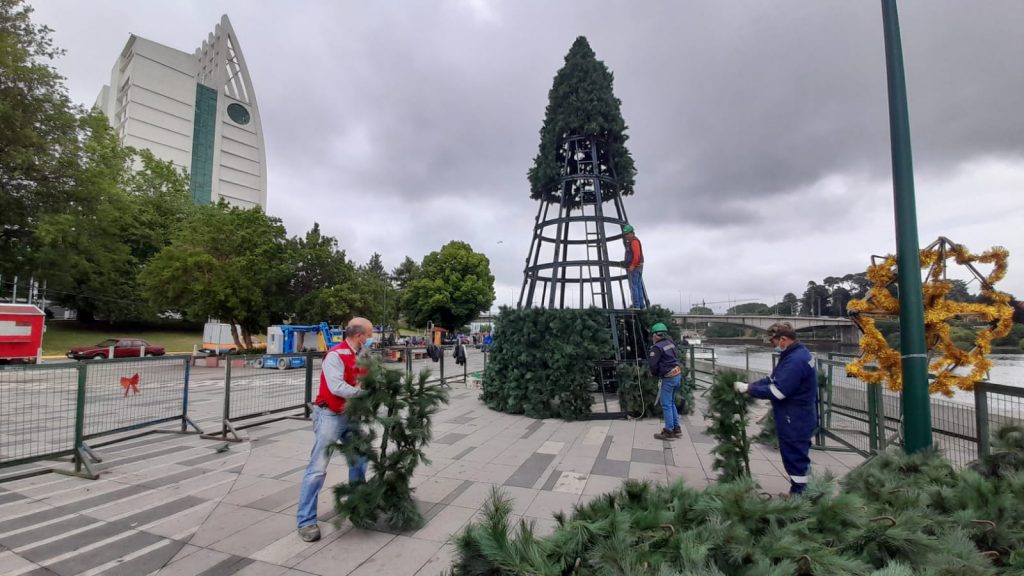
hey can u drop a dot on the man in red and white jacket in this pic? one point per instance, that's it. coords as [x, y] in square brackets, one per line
[339, 380]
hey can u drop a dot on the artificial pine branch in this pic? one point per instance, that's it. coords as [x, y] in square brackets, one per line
[897, 515]
[408, 405]
[728, 411]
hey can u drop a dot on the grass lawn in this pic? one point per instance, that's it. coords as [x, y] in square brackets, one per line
[61, 336]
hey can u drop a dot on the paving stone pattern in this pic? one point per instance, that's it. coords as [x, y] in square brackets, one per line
[181, 505]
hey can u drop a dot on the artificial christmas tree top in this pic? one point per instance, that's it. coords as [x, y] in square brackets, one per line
[581, 103]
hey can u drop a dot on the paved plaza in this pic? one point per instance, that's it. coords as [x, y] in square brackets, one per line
[174, 505]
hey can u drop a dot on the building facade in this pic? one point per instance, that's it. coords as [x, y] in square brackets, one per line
[196, 110]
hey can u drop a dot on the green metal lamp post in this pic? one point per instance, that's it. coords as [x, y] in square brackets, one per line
[917, 421]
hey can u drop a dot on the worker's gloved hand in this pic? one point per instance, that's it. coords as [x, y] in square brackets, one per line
[741, 387]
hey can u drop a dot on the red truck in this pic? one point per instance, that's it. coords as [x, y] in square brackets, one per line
[21, 333]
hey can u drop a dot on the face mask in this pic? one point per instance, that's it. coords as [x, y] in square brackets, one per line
[779, 348]
[368, 343]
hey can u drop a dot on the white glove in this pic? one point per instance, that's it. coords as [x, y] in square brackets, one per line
[741, 387]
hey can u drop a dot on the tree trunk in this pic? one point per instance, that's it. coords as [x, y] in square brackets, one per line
[247, 338]
[234, 333]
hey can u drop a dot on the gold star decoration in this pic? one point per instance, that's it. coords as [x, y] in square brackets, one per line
[944, 357]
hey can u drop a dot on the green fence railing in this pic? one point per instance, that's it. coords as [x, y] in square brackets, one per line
[49, 411]
[866, 418]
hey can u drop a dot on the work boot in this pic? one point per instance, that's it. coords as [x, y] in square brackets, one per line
[677, 430]
[665, 435]
[309, 533]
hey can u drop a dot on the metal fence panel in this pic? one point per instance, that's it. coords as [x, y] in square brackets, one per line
[257, 390]
[125, 394]
[37, 412]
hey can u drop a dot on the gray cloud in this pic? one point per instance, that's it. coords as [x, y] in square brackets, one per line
[760, 130]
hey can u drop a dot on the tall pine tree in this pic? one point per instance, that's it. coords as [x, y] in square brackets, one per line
[581, 103]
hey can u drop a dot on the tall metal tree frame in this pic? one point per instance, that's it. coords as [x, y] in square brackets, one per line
[569, 263]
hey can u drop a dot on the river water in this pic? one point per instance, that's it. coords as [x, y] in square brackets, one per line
[1006, 368]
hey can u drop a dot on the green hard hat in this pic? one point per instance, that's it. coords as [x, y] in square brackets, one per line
[627, 228]
[659, 327]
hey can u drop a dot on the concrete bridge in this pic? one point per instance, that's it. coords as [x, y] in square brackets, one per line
[845, 328]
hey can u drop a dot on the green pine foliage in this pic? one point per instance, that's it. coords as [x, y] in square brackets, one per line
[402, 410]
[542, 361]
[581, 103]
[728, 411]
[640, 393]
[895, 515]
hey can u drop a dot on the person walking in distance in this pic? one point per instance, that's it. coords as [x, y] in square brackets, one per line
[635, 267]
[664, 365]
[793, 391]
[339, 381]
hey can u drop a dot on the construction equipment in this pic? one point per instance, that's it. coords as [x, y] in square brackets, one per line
[291, 339]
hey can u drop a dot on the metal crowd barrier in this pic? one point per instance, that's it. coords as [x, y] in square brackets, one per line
[253, 390]
[867, 418]
[255, 386]
[49, 411]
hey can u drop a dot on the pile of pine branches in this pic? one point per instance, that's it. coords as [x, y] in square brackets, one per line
[895, 515]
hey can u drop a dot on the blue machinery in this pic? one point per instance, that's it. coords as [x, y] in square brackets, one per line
[290, 339]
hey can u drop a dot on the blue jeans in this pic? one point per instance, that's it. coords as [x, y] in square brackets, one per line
[636, 287]
[328, 428]
[668, 400]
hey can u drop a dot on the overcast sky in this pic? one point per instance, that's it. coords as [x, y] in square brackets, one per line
[759, 129]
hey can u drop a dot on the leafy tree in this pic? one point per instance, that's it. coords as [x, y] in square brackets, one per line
[750, 308]
[405, 273]
[701, 310]
[815, 300]
[38, 135]
[320, 280]
[378, 299]
[581, 103]
[454, 286]
[401, 276]
[838, 299]
[224, 262]
[788, 306]
[91, 253]
[958, 292]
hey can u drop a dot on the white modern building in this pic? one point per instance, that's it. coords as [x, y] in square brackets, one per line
[196, 110]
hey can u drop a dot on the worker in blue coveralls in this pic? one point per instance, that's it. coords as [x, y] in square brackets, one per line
[664, 365]
[793, 391]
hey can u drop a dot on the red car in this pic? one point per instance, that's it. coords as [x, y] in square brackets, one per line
[123, 348]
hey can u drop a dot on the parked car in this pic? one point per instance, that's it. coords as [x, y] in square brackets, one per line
[123, 348]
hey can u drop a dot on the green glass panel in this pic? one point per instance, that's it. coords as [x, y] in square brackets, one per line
[203, 131]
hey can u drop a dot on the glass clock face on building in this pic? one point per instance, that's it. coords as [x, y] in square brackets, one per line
[238, 113]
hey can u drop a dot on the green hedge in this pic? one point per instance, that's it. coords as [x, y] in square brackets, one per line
[542, 361]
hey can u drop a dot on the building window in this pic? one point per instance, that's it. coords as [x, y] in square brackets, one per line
[238, 113]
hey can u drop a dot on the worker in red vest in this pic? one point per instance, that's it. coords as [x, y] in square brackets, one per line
[634, 266]
[339, 380]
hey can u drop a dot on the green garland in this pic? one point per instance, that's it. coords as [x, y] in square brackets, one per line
[728, 412]
[402, 409]
[896, 515]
